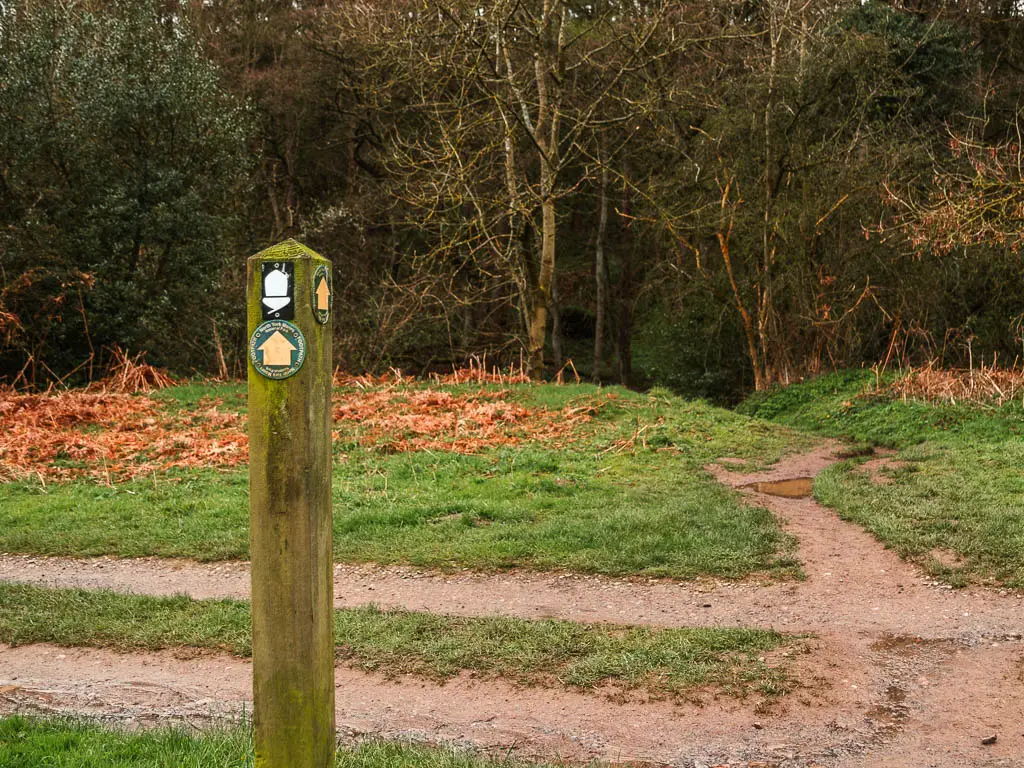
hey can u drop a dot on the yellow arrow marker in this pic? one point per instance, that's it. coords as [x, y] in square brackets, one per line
[277, 350]
[323, 295]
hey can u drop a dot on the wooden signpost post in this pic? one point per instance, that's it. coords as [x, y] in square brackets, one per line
[289, 320]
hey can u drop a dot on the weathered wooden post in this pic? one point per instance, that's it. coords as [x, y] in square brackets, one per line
[289, 321]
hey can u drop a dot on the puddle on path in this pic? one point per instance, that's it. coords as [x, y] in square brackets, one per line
[908, 644]
[797, 488]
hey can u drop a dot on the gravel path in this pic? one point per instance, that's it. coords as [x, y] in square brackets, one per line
[904, 671]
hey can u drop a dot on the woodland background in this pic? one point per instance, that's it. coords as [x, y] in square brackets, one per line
[714, 196]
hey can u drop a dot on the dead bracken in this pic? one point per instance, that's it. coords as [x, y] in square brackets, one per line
[111, 436]
[477, 372]
[403, 420]
[983, 384]
[130, 375]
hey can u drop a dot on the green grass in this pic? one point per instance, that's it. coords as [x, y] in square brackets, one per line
[955, 501]
[198, 514]
[77, 743]
[191, 394]
[663, 661]
[951, 498]
[597, 505]
[845, 405]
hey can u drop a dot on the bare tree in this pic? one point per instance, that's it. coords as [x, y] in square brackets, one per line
[600, 269]
[774, 159]
[977, 192]
[502, 100]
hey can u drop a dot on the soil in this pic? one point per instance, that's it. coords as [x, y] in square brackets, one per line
[903, 671]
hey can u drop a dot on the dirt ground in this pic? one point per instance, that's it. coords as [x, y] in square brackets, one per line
[903, 671]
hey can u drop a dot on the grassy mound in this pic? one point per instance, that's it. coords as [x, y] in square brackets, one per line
[949, 496]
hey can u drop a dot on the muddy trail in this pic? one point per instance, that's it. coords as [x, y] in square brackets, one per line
[903, 671]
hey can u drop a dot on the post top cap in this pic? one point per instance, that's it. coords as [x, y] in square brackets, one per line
[287, 249]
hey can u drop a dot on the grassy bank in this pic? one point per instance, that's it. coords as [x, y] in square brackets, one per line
[437, 647]
[67, 743]
[622, 492]
[949, 496]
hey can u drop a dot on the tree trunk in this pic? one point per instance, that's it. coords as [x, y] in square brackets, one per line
[542, 292]
[624, 347]
[763, 286]
[600, 275]
[516, 253]
[749, 330]
[547, 65]
[557, 348]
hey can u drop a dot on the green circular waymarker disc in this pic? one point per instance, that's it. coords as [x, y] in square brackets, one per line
[277, 349]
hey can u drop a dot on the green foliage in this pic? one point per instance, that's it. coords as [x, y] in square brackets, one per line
[132, 182]
[76, 617]
[932, 58]
[694, 349]
[773, 193]
[953, 505]
[552, 510]
[189, 396]
[577, 655]
[398, 643]
[122, 158]
[186, 514]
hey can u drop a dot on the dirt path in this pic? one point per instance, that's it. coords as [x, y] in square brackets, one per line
[929, 721]
[141, 688]
[854, 582]
[841, 591]
[905, 672]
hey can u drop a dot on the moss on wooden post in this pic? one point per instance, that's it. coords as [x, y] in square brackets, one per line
[290, 521]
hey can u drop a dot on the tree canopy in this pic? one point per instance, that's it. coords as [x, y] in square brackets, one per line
[122, 157]
[714, 196]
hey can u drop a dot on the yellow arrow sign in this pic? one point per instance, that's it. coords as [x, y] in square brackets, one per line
[323, 295]
[277, 350]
